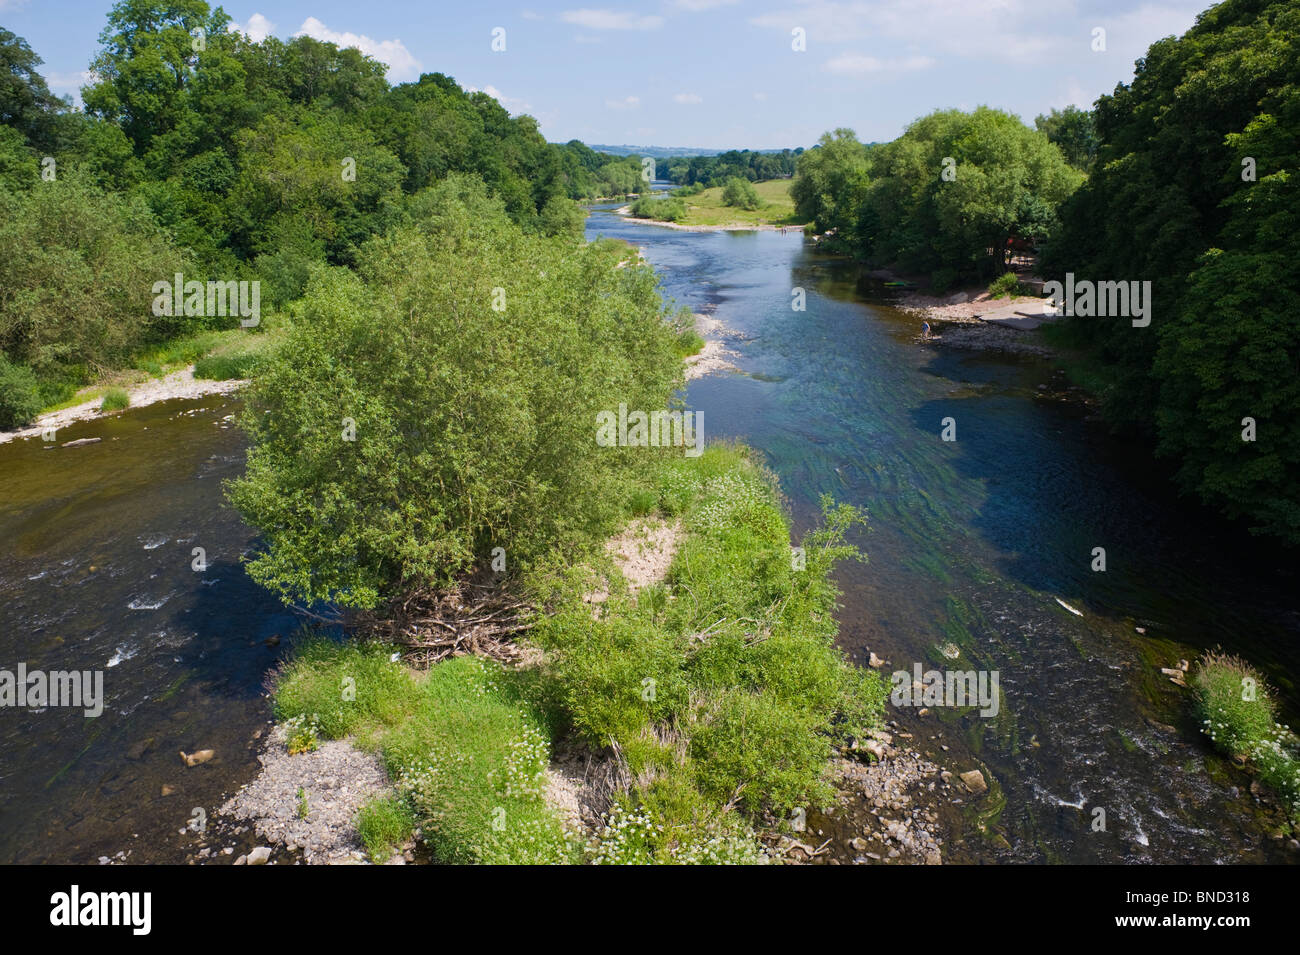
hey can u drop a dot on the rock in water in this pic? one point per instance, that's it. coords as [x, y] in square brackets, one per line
[974, 781]
[259, 856]
[194, 759]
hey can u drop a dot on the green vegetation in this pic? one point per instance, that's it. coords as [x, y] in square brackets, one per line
[20, 400]
[715, 171]
[386, 348]
[1074, 131]
[467, 753]
[770, 205]
[947, 194]
[721, 687]
[1238, 712]
[688, 341]
[1204, 203]
[1007, 285]
[384, 823]
[670, 209]
[115, 399]
[242, 161]
[740, 193]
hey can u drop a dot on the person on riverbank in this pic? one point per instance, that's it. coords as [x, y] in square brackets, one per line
[925, 329]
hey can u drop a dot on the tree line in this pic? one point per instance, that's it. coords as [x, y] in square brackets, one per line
[1186, 177]
[201, 151]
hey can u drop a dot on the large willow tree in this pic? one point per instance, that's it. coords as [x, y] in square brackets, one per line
[443, 402]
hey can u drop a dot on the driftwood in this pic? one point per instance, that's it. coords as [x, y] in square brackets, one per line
[466, 617]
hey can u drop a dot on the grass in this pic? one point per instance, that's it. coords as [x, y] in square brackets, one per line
[216, 355]
[776, 207]
[726, 688]
[384, 823]
[1238, 713]
[466, 752]
[720, 692]
[115, 399]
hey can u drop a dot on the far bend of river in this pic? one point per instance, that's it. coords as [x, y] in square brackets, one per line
[972, 542]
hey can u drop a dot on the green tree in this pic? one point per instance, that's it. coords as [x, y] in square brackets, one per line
[77, 275]
[740, 193]
[831, 186]
[474, 427]
[1193, 190]
[1074, 131]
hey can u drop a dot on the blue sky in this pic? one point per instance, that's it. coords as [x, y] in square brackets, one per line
[707, 73]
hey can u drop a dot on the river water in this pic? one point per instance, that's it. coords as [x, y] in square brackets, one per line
[971, 544]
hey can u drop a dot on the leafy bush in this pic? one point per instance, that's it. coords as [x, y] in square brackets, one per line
[1238, 712]
[723, 682]
[20, 399]
[115, 399]
[740, 193]
[1007, 285]
[77, 275]
[480, 423]
[664, 210]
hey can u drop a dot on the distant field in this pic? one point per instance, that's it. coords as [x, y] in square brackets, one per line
[777, 209]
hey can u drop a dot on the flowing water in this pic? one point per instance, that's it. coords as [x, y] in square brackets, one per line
[97, 572]
[971, 545]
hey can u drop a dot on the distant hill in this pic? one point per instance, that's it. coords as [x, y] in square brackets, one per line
[663, 152]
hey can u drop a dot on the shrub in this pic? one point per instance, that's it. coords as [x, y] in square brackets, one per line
[1238, 712]
[115, 399]
[671, 209]
[481, 425]
[384, 823]
[740, 193]
[1007, 285]
[20, 400]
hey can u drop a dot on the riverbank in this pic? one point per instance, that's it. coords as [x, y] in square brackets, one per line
[624, 211]
[178, 384]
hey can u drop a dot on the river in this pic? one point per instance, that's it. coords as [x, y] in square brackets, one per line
[972, 542]
[971, 545]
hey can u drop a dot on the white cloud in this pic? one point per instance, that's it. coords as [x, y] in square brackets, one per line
[853, 63]
[627, 102]
[1015, 30]
[583, 38]
[688, 99]
[513, 104]
[696, 6]
[530, 15]
[257, 29]
[611, 20]
[402, 66]
[760, 97]
[69, 84]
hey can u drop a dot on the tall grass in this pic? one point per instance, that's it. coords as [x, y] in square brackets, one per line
[1238, 712]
